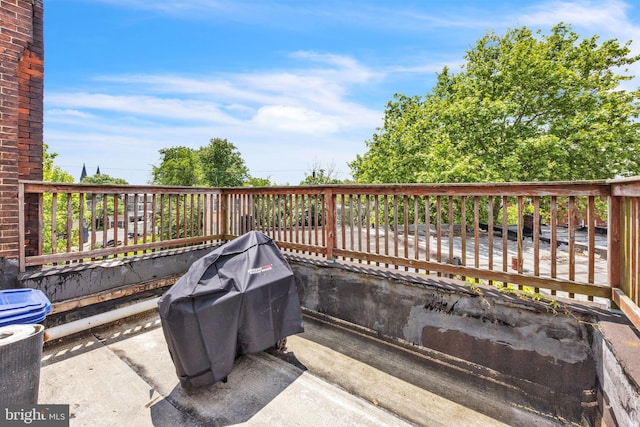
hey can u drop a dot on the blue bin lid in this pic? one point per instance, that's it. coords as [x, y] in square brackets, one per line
[23, 306]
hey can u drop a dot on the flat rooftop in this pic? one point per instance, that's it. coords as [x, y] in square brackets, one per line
[122, 374]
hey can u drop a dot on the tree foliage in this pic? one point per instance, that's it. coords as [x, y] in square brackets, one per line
[525, 107]
[222, 164]
[218, 164]
[179, 166]
[53, 173]
[104, 179]
[258, 182]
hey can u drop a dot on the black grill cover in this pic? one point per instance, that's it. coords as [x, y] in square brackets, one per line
[240, 298]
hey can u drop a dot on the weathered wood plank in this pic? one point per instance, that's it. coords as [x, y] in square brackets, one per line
[111, 294]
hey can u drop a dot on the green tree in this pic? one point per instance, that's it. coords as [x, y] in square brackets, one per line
[103, 179]
[53, 173]
[526, 107]
[178, 166]
[218, 164]
[258, 182]
[222, 164]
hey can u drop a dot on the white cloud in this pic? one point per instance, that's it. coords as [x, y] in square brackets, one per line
[176, 7]
[167, 108]
[294, 119]
[304, 96]
[388, 16]
[345, 68]
[385, 16]
[71, 117]
[278, 119]
[608, 15]
[608, 19]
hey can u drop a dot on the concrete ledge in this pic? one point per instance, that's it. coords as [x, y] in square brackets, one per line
[521, 350]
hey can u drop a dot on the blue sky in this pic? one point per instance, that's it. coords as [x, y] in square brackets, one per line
[292, 84]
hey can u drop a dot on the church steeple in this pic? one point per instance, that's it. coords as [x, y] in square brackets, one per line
[83, 175]
[98, 171]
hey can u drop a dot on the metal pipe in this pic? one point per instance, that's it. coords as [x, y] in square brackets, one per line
[81, 325]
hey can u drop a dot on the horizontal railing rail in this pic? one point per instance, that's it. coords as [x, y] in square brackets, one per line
[571, 239]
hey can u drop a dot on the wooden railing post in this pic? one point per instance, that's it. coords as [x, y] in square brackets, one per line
[615, 259]
[21, 228]
[330, 215]
[224, 209]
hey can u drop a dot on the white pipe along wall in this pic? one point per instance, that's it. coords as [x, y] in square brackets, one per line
[76, 326]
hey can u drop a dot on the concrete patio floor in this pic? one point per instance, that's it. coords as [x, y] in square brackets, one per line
[122, 374]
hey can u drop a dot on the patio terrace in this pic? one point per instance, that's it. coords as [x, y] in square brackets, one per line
[78, 243]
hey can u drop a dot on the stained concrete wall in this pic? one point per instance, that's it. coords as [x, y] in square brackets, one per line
[529, 354]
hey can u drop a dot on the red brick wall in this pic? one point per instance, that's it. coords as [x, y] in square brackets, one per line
[21, 110]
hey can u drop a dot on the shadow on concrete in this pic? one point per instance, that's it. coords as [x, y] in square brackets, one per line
[83, 342]
[252, 385]
[59, 351]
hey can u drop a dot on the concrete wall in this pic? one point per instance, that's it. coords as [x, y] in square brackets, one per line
[531, 355]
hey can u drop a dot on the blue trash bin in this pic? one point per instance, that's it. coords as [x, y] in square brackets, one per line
[23, 306]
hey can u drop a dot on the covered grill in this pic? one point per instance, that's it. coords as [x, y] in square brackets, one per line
[240, 298]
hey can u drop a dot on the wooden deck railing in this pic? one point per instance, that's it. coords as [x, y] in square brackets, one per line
[418, 227]
[573, 239]
[85, 223]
